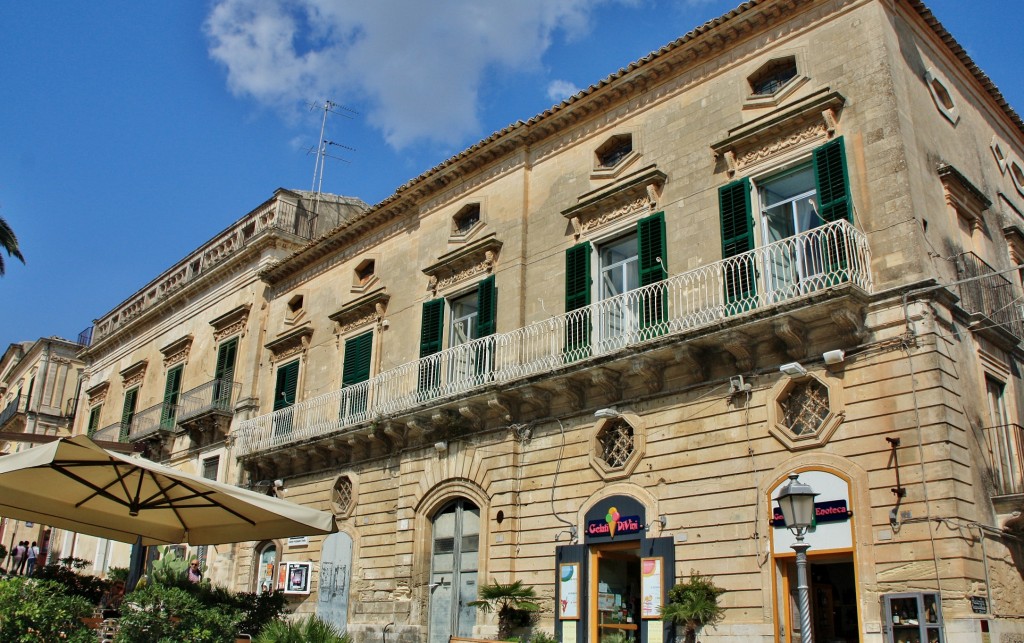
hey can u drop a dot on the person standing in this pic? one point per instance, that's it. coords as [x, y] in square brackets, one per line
[16, 556]
[24, 557]
[31, 555]
[194, 574]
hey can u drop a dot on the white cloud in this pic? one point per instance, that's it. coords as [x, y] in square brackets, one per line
[559, 90]
[418, 66]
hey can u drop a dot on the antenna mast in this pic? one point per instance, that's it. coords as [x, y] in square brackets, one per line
[328, 106]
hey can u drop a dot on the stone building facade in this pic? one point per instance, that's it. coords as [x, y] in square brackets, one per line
[38, 386]
[586, 352]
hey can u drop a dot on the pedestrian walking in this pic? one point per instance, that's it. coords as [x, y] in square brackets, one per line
[31, 555]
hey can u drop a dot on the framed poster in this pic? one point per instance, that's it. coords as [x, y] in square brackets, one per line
[297, 578]
[569, 591]
[651, 587]
[282, 575]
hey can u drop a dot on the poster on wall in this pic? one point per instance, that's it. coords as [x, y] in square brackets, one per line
[282, 575]
[569, 591]
[297, 578]
[651, 587]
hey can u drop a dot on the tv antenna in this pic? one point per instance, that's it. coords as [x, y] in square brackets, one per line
[328, 107]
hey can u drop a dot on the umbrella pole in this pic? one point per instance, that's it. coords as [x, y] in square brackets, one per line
[137, 565]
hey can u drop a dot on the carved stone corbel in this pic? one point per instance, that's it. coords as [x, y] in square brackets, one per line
[576, 393]
[420, 425]
[850, 324]
[793, 334]
[473, 413]
[692, 360]
[651, 372]
[730, 163]
[503, 404]
[609, 381]
[831, 122]
[538, 399]
[396, 432]
[740, 346]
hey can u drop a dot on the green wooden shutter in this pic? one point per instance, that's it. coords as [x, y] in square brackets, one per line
[224, 374]
[487, 307]
[128, 412]
[486, 323]
[577, 296]
[287, 385]
[737, 238]
[356, 368]
[651, 252]
[832, 182]
[172, 389]
[94, 420]
[833, 187]
[431, 338]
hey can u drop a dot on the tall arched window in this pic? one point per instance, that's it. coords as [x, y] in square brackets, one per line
[455, 544]
[266, 568]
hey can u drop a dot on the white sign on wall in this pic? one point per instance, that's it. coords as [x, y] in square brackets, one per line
[832, 509]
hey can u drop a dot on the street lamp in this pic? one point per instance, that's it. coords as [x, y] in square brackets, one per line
[796, 501]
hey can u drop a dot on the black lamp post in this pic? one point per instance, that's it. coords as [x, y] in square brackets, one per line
[796, 501]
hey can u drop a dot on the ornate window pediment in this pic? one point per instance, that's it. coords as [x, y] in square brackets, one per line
[289, 343]
[133, 375]
[963, 197]
[230, 323]
[98, 393]
[368, 309]
[177, 351]
[463, 264]
[804, 123]
[633, 194]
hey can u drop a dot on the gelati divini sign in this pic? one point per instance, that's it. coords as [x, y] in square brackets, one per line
[615, 518]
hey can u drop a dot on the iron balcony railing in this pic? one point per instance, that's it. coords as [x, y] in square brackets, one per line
[12, 408]
[145, 423]
[990, 294]
[117, 432]
[85, 337]
[215, 395]
[831, 255]
[1006, 449]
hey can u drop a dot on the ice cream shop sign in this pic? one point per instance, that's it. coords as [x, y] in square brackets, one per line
[615, 518]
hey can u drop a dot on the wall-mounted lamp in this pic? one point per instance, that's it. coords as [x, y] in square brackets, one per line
[441, 446]
[793, 369]
[660, 520]
[834, 357]
[607, 413]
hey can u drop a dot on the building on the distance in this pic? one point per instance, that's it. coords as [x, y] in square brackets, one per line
[586, 352]
[38, 385]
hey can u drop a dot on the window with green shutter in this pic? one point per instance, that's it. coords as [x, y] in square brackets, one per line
[431, 338]
[577, 296]
[652, 257]
[131, 397]
[487, 313]
[833, 186]
[285, 389]
[737, 238]
[94, 420]
[172, 389]
[224, 375]
[355, 370]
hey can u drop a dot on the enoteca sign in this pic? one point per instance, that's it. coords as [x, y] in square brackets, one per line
[615, 518]
[832, 513]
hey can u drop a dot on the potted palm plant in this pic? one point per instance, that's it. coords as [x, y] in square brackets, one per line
[693, 604]
[513, 601]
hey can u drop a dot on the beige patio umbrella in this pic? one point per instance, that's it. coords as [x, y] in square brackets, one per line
[74, 484]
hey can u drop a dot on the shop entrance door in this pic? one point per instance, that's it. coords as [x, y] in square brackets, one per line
[615, 592]
[833, 591]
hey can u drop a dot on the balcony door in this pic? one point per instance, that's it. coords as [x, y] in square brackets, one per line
[787, 210]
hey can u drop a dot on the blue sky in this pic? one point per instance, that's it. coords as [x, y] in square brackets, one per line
[131, 132]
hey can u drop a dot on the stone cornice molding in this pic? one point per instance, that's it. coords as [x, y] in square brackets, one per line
[288, 344]
[368, 309]
[133, 375]
[230, 323]
[463, 263]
